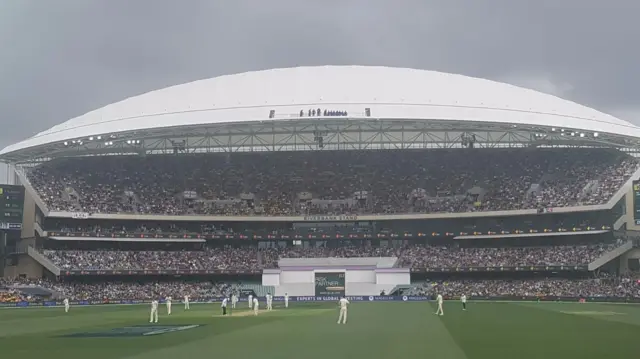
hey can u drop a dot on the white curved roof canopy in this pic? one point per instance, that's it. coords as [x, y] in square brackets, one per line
[391, 93]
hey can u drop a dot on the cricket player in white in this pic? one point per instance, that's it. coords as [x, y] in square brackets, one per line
[224, 306]
[343, 303]
[250, 301]
[286, 300]
[256, 306]
[154, 312]
[439, 301]
[186, 302]
[66, 305]
[269, 302]
[234, 300]
[168, 301]
[463, 299]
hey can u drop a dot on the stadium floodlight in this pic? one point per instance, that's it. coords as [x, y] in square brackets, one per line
[595, 134]
[553, 129]
[66, 143]
[91, 138]
[581, 134]
[99, 138]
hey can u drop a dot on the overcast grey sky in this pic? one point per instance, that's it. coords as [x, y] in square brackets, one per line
[62, 58]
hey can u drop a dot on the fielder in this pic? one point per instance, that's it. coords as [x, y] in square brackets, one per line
[344, 303]
[168, 301]
[269, 302]
[256, 306]
[439, 300]
[154, 312]
[463, 299]
[234, 300]
[66, 305]
[186, 302]
[286, 300]
[224, 306]
[250, 301]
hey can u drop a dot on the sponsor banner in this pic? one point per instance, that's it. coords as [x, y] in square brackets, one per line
[331, 218]
[382, 298]
[323, 280]
[157, 272]
[302, 235]
[501, 269]
[330, 284]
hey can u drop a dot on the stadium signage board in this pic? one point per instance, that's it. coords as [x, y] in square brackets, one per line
[340, 284]
[11, 207]
[330, 218]
[330, 284]
[303, 236]
[556, 268]
[158, 272]
[636, 202]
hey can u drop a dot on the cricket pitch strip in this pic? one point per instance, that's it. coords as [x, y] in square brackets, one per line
[244, 313]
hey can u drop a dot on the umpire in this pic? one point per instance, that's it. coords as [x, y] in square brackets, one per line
[224, 305]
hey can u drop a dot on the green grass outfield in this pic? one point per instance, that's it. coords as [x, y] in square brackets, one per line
[488, 330]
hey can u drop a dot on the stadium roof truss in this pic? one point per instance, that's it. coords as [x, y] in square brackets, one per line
[379, 108]
[331, 133]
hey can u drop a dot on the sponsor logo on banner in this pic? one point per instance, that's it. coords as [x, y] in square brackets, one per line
[355, 299]
[385, 298]
[80, 215]
[417, 298]
[371, 299]
[326, 299]
[404, 298]
[330, 218]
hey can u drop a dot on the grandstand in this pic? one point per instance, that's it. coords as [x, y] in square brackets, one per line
[473, 185]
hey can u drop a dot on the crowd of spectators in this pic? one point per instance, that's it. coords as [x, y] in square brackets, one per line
[9, 294]
[227, 258]
[610, 287]
[252, 258]
[12, 290]
[325, 182]
[143, 291]
[621, 287]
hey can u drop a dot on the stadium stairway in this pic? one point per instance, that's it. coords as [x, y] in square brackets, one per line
[44, 261]
[29, 188]
[611, 255]
[399, 289]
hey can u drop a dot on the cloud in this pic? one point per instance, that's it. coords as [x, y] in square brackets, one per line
[64, 58]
